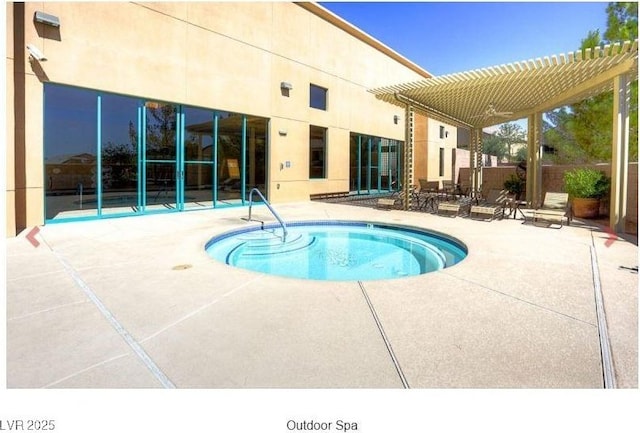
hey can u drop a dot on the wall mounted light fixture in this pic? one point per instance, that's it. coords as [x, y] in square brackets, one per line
[286, 85]
[44, 18]
[396, 118]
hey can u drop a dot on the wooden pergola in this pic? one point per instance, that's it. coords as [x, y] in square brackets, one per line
[484, 97]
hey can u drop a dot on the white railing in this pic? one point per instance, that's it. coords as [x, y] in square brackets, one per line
[275, 214]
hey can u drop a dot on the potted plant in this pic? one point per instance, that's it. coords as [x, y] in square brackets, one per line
[515, 186]
[586, 187]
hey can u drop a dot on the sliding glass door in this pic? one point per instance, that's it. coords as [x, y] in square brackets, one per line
[375, 164]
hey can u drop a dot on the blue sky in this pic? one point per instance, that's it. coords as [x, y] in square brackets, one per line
[453, 37]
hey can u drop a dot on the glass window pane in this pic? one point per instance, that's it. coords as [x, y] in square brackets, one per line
[161, 131]
[198, 136]
[198, 156]
[318, 97]
[161, 186]
[317, 152]
[119, 133]
[256, 155]
[70, 150]
[229, 157]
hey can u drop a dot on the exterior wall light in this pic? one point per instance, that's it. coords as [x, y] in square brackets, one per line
[396, 118]
[44, 18]
[286, 86]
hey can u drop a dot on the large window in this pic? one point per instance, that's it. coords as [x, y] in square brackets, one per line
[107, 154]
[70, 151]
[317, 152]
[120, 153]
[375, 164]
[317, 97]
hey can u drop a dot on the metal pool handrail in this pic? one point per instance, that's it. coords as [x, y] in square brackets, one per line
[275, 214]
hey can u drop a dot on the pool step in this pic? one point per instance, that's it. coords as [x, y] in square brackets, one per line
[269, 244]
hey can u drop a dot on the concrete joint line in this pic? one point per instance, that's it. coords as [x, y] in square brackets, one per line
[387, 343]
[84, 370]
[128, 338]
[608, 371]
[46, 310]
[533, 304]
[197, 310]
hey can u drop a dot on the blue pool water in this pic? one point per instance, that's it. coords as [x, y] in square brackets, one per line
[337, 250]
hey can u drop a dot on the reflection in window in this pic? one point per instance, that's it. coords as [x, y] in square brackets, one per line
[119, 147]
[145, 163]
[198, 156]
[161, 131]
[317, 152]
[317, 97]
[70, 151]
[230, 127]
[375, 164]
[256, 154]
[161, 183]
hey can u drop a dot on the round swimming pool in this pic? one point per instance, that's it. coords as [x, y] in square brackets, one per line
[337, 250]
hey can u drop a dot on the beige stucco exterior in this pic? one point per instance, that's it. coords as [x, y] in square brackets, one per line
[227, 56]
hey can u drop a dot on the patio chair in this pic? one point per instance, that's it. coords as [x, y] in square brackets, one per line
[554, 209]
[428, 193]
[449, 188]
[492, 207]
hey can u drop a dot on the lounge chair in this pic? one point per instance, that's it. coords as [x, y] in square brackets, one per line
[554, 209]
[492, 207]
[395, 200]
[387, 203]
[454, 208]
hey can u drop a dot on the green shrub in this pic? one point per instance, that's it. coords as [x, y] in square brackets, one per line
[514, 185]
[586, 183]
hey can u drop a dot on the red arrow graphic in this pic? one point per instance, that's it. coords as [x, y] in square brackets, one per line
[31, 236]
[612, 237]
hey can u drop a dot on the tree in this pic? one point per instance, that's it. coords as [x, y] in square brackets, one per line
[622, 22]
[581, 133]
[511, 134]
[493, 145]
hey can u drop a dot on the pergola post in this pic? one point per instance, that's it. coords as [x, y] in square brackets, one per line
[534, 163]
[475, 161]
[619, 154]
[408, 155]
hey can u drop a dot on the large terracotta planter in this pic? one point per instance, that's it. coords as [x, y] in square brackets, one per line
[586, 207]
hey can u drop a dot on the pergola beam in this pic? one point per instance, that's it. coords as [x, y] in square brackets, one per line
[595, 85]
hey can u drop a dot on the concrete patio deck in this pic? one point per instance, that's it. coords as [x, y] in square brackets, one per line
[136, 303]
